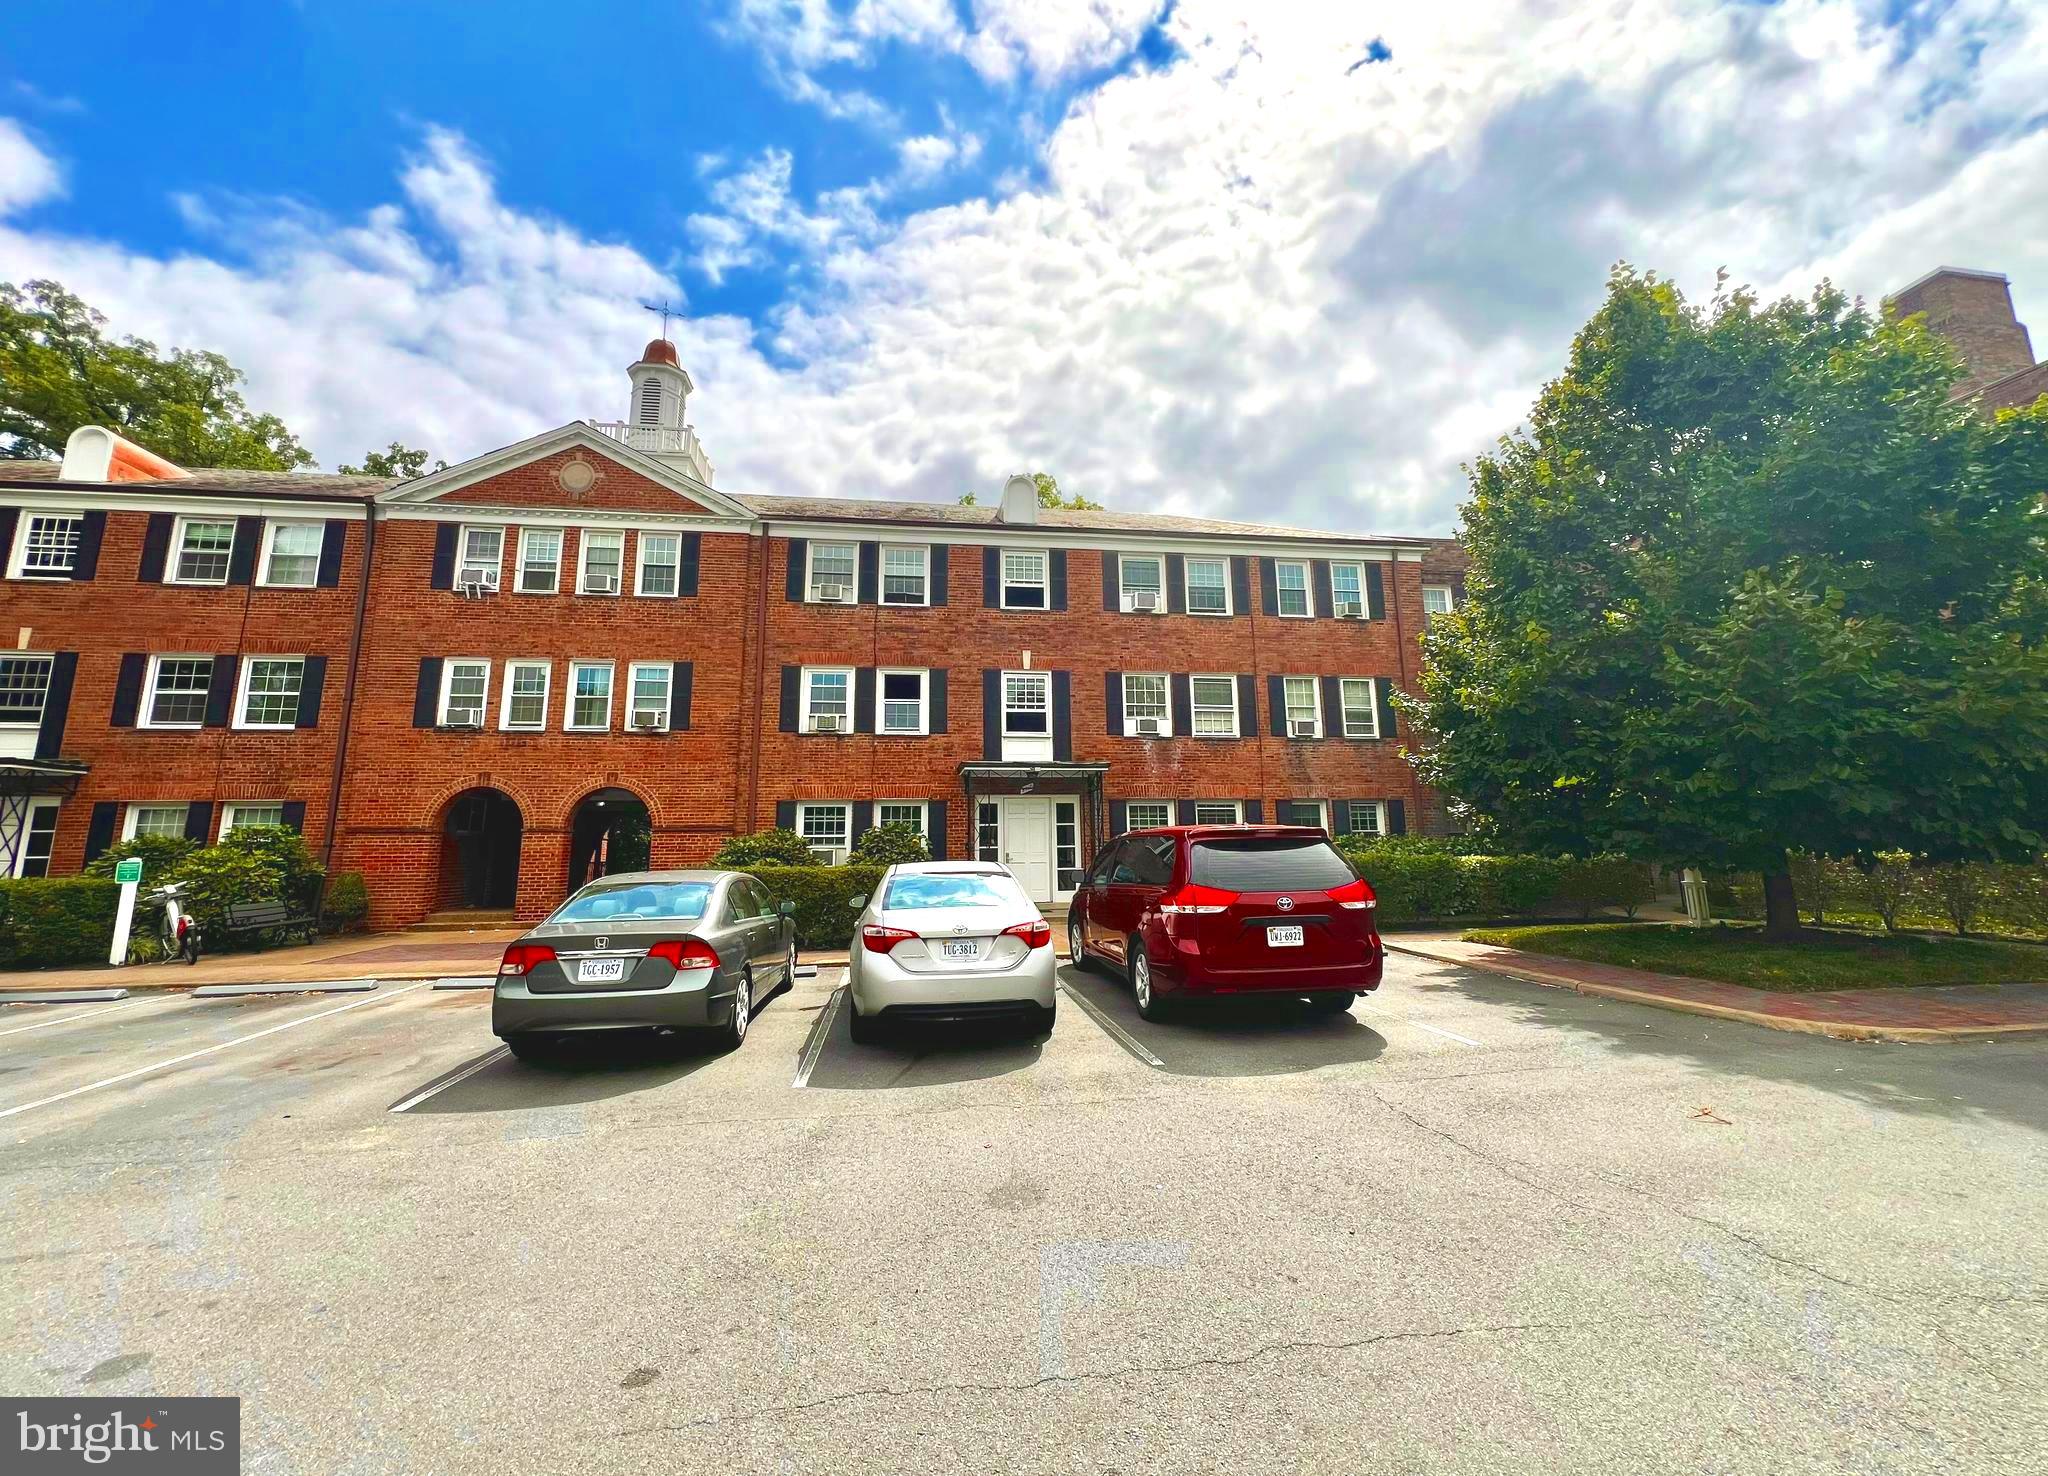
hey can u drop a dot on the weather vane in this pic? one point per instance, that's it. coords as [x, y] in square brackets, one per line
[666, 312]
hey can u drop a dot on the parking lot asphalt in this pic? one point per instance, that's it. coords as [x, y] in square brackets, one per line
[1471, 1226]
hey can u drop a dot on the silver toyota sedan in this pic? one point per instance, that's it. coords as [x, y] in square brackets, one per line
[949, 941]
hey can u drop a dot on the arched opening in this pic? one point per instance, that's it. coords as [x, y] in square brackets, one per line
[480, 850]
[609, 831]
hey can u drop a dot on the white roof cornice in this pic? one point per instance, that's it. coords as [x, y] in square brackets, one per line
[577, 435]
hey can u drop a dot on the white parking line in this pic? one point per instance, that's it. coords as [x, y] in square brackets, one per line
[460, 1076]
[1115, 1031]
[821, 1031]
[354, 1004]
[1446, 1034]
[62, 1018]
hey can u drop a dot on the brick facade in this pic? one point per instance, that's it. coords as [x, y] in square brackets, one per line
[1973, 310]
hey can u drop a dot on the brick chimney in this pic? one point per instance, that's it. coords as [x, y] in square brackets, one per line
[1972, 310]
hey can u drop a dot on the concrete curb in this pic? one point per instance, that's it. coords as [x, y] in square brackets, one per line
[60, 996]
[1833, 1029]
[467, 981]
[326, 986]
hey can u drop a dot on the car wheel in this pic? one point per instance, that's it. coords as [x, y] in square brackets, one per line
[1150, 1005]
[531, 1048]
[734, 1031]
[789, 966]
[1077, 952]
[1331, 1004]
[1044, 1020]
[865, 1029]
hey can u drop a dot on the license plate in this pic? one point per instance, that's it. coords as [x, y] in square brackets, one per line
[1283, 937]
[609, 970]
[959, 948]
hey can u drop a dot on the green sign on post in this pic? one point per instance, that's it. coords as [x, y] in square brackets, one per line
[129, 870]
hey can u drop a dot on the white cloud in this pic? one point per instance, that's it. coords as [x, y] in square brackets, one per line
[27, 174]
[1251, 283]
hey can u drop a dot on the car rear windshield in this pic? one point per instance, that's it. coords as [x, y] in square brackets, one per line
[927, 890]
[630, 900]
[1275, 865]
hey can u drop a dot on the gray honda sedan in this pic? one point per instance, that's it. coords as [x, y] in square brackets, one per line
[678, 950]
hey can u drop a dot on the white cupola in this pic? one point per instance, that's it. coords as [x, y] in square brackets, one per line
[661, 387]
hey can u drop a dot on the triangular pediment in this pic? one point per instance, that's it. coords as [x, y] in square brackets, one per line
[572, 468]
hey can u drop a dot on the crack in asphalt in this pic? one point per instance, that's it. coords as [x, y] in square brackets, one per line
[1482, 1155]
[1266, 1350]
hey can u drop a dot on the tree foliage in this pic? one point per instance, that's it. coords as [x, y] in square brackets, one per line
[1750, 580]
[1049, 495]
[891, 844]
[775, 846]
[59, 370]
[399, 461]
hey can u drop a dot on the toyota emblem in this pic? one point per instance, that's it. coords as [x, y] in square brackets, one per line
[601, 942]
[1285, 904]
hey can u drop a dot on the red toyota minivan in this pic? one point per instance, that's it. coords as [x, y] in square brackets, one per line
[1201, 910]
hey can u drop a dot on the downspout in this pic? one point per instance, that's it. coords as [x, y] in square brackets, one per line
[751, 716]
[348, 689]
[1401, 657]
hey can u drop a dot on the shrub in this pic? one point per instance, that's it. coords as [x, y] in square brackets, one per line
[299, 874]
[775, 846]
[1960, 890]
[220, 876]
[886, 845]
[1413, 882]
[56, 920]
[348, 902]
[160, 857]
[1888, 886]
[823, 896]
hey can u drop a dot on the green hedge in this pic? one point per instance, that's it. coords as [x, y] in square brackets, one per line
[1896, 892]
[1416, 885]
[57, 920]
[823, 896]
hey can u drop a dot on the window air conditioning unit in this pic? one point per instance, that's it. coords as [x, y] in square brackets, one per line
[1144, 601]
[477, 582]
[1148, 727]
[1350, 610]
[825, 722]
[1301, 729]
[832, 594]
[601, 584]
[465, 722]
[647, 721]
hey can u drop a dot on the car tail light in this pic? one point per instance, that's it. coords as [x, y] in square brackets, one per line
[1036, 934]
[1353, 894]
[1197, 899]
[522, 958]
[685, 953]
[877, 939]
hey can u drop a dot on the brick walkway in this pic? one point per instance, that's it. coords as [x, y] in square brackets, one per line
[1932, 1012]
[412, 955]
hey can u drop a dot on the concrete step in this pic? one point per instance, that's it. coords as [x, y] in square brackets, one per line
[463, 919]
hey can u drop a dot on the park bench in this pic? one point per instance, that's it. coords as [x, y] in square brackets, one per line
[268, 917]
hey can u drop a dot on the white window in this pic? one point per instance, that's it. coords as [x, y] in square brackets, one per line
[38, 838]
[1436, 599]
[1368, 817]
[270, 692]
[1024, 581]
[465, 688]
[153, 820]
[828, 699]
[660, 563]
[906, 574]
[1208, 586]
[1304, 709]
[648, 695]
[1148, 712]
[24, 687]
[1219, 812]
[261, 812]
[203, 548]
[834, 572]
[905, 812]
[904, 704]
[1027, 714]
[590, 696]
[601, 558]
[1148, 814]
[1361, 716]
[291, 555]
[526, 696]
[175, 696]
[47, 546]
[1141, 583]
[1214, 699]
[1290, 589]
[826, 828]
[481, 556]
[540, 560]
[1347, 590]
[1309, 812]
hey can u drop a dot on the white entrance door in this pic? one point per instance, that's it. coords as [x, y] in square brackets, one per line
[1027, 843]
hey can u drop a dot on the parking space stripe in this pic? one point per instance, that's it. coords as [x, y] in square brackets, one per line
[1115, 1031]
[354, 1004]
[461, 1074]
[1446, 1034]
[821, 1031]
[62, 1018]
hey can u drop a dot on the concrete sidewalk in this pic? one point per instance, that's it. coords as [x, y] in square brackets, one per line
[1924, 1013]
[422, 954]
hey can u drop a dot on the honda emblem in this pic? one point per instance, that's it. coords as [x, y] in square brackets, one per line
[601, 943]
[1285, 904]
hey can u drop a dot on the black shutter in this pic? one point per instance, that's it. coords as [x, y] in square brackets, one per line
[1113, 702]
[1247, 705]
[689, 554]
[295, 814]
[1176, 584]
[443, 576]
[991, 576]
[156, 548]
[1183, 700]
[938, 583]
[1063, 717]
[870, 573]
[333, 539]
[128, 689]
[1397, 817]
[1340, 817]
[935, 700]
[1276, 705]
[312, 685]
[56, 705]
[1254, 812]
[864, 695]
[1269, 587]
[682, 686]
[793, 582]
[1383, 695]
[1057, 565]
[1325, 592]
[92, 530]
[9, 517]
[242, 552]
[99, 831]
[1112, 576]
[785, 814]
[1119, 817]
[199, 821]
[1375, 593]
[1184, 812]
[792, 709]
[426, 697]
[220, 690]
[863, 819]
[991, 713]
[1457, 582]
[1333, 707]
[935, 828]
[1240, 585]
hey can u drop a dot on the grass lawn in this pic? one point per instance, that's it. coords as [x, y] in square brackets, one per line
[1738, 954]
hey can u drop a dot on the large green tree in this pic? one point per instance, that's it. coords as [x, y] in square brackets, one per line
[59, 370]
[1750, 580]
[399, 461]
